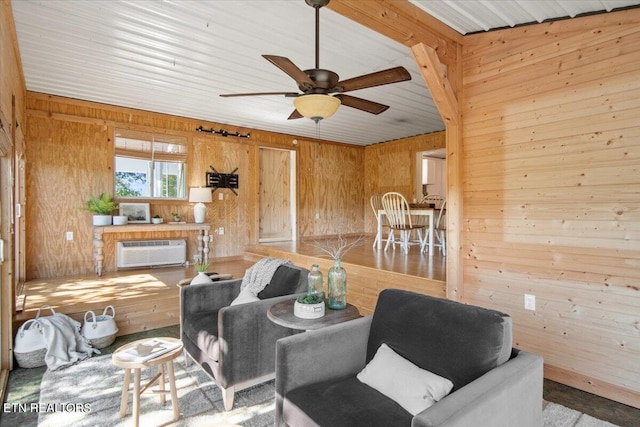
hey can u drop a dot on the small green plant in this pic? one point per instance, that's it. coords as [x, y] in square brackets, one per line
[157, 216]
[176, 216]
[201, 266]
[310, 299]
[101, 205]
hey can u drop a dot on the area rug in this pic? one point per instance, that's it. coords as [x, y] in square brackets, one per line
[560, 416]
[88, 394]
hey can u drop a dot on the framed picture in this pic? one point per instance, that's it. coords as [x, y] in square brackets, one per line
[136, 212]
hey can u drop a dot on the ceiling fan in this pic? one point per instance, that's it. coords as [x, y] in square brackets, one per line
[317, 84]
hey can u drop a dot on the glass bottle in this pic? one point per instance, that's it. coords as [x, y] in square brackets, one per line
[315, 281]
[337, 286]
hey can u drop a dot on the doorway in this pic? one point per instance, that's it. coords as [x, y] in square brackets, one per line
[277, 194]
[431, 173]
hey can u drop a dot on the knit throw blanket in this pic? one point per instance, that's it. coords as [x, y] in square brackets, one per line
[259, 275]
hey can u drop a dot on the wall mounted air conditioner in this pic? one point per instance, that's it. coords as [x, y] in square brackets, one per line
[150, 253]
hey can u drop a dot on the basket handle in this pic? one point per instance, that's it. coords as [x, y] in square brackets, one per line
[21, 329]
[93, 315]
[45, 306]
[113, 311]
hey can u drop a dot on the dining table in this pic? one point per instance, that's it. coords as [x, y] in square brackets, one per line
[428, 212]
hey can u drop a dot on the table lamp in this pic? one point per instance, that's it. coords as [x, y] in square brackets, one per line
[200, 196]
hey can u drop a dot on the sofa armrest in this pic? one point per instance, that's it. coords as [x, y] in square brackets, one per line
[248, 339]
[208, 296]
[508, 395]
[320, 355]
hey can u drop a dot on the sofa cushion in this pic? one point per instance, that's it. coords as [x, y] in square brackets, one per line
[284, 282]
[202, 329]
[453, 340]
[412, 388]
[344, 402]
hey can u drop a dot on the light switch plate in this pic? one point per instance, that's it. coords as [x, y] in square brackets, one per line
[529, 302]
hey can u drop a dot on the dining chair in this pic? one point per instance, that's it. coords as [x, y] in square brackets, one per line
[398, 214]
[440, 228]
[376, 205]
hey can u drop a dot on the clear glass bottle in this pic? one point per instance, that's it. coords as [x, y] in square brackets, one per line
[315, 281]
[337, 286]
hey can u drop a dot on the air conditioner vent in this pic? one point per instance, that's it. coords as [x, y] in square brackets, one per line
[150, 253]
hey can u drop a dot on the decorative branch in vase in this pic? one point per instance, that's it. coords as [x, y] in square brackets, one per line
[337, 276]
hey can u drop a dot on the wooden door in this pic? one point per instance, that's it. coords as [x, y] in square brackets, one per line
[277, 196]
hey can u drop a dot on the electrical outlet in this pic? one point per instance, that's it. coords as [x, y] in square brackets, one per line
[317, 215]
[69, 235]
[529, 302]
[221, 231]
[220, 196]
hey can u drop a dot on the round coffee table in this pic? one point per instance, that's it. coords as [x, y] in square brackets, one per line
[282, 314]
[158, 361]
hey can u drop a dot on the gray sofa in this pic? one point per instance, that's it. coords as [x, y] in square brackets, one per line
[235, 344]
[493, 384]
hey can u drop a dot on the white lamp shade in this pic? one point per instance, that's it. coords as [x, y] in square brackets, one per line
[200, 195]
[316, 106]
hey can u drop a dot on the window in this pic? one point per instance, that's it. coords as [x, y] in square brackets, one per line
[149, 165]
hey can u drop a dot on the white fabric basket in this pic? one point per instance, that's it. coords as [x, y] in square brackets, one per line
[100, 330]
[30, 348]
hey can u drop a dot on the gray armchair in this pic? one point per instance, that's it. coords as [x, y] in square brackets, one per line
[493, 384]
[235, 344]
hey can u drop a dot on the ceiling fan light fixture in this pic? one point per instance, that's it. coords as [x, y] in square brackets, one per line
[316, 106]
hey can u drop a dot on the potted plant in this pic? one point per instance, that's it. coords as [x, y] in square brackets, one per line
[201, 267]
[102, 207]
[176, 216]
[157, 219]
[310, 306]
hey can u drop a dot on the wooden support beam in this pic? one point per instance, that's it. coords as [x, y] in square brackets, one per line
[402, 22]
[436, 79]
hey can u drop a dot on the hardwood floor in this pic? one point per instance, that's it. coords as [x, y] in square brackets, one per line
[148, 298]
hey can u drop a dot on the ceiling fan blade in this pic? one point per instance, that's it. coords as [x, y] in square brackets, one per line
[392, 75]
[295, 115]
[362, 104]
[287, 94]
[292, 70]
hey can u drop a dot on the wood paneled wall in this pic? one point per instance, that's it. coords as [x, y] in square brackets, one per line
[551, 191]
[12, 119]
[391, 166]
[70, 156]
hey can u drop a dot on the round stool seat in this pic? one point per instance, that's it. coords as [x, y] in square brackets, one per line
[125, 357]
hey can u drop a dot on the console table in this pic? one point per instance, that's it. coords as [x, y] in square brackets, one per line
[98, 242]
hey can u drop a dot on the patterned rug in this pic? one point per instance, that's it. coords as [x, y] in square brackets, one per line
[88, 394]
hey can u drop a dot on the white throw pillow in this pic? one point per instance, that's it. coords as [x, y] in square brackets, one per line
[244, 297]
[412, 387]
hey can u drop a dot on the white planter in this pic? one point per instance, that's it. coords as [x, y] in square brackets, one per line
[120, 220]
[156, 220]
[308, 311]
[101, 220]
[201, 278]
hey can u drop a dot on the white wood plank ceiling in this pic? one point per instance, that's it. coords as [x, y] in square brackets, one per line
[177, 57]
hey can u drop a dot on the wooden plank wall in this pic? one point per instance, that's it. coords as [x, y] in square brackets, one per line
[70, 156]
[12, 120]
[390, 166]
[551, 190]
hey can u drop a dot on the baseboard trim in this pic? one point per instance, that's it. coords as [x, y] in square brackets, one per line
[592, 385]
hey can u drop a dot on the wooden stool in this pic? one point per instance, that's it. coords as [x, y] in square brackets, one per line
[158, 361]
